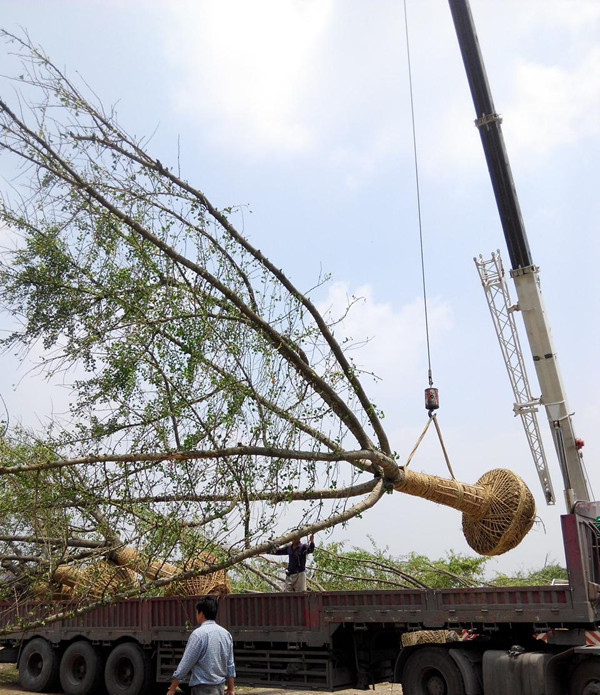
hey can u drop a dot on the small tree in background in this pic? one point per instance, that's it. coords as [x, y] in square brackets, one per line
[335, 568]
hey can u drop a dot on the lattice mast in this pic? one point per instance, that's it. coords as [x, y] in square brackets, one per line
[502, 310]
[524, 272]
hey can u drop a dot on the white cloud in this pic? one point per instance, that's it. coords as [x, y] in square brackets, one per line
[574, 15]
[395, 337]
[555, 105]
[293, 77]
[544, 77]
[245, 66]
[327, 79]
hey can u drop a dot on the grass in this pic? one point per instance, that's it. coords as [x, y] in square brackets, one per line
[8, 673]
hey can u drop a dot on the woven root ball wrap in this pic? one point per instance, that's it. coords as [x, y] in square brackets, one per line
[97, 580]
[409, 639]
[211, 583]
[498, 510]
[507, 518]
[146, 567]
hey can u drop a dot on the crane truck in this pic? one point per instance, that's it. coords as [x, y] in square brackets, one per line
[524, 640]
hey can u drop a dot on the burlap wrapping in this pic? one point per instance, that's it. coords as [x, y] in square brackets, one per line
[50, 591]
[509, 514]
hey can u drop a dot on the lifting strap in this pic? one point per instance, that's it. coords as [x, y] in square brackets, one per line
[431, 418]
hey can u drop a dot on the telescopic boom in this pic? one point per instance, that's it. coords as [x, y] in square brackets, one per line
[523, 271]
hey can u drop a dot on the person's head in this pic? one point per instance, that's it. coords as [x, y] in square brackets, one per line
[296, 542]
[206, 608]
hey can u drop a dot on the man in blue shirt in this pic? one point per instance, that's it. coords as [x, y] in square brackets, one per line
[208, 655]
[295, 576]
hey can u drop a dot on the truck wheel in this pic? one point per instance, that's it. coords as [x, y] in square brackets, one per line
[585, 679]
[38, 666]
[432, 671]
[81, 669]
[128, 670]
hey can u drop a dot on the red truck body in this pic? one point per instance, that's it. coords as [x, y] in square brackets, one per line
[336, 639]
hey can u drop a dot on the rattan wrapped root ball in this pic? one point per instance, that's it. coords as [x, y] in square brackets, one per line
[409, 639]
[506, 518]
[103, 578]
[498, 511]
[51, 591]
[140, 563]
[215, 583]
[209, 583]
[96, 580]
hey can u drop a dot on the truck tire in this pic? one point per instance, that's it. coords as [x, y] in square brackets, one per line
[81, 669]
[585, 679]
[432, 671]
[128, 670]
[38, 666]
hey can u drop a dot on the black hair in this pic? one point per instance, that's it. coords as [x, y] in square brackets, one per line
[208, 607]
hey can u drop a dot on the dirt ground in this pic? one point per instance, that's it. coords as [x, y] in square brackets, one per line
[9, 685]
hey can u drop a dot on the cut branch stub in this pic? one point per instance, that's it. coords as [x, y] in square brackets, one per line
[498, 510]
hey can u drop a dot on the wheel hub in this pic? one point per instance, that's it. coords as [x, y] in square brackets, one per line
[35, 664]
[125, 672]
[436, 685]
[79, 669]
[592, 688]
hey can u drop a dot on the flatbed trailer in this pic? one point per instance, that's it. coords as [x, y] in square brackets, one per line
[523, 640]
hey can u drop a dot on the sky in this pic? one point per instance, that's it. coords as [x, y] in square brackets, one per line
[299, 112]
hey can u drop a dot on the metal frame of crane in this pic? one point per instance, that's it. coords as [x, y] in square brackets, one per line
[523, 271]
[502, 310]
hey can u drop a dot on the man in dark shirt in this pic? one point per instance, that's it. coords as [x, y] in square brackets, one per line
[295, 576]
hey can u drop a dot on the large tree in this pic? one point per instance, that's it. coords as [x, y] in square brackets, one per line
[209, 395]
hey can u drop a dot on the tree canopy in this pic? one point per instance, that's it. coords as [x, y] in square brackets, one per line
[208, 390]
[210, 396]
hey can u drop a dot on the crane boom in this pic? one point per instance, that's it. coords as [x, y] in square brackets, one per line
[524, 272]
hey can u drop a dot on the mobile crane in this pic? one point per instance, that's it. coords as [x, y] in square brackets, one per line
[525, 275]
[528, 640]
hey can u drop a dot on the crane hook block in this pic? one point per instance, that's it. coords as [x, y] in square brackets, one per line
[432, 401]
